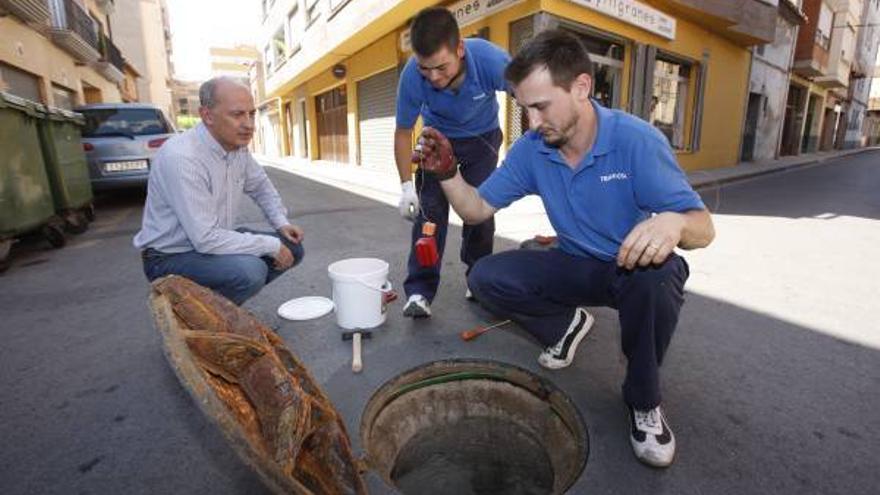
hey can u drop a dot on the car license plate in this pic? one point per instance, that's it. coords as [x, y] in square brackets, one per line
[125, 166]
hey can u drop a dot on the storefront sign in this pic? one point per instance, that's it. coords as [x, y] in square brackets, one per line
[635, 13]
[469, 11]
[466, 12]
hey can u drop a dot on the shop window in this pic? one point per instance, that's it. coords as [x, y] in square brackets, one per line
[669, 99]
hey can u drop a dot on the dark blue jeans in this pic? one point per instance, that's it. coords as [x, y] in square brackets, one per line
[541, 289]
[478, 157]
[238, 277]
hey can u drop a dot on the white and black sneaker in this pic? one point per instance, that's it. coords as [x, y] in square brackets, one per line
[651, 438]
[417, 307]
[562, 354]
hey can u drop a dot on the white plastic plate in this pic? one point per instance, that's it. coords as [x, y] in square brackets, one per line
[305, 308]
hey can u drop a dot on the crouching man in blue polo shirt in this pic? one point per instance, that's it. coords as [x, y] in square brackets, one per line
[451, 82]
[619, 204]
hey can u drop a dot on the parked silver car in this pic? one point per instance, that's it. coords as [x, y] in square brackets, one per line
[120, 140]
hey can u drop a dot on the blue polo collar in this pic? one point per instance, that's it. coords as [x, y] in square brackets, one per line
[603, 144]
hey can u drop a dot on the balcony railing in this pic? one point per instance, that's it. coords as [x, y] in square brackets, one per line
[110, 52]
[74, 30]
[111, 64]
[28, 10]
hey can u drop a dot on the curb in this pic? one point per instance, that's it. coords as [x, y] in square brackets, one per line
[705, 182]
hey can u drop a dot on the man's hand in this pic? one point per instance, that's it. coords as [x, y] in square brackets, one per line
[434, 154]
[283, 258]
[409, 201]
[651, 241]
[292, 233]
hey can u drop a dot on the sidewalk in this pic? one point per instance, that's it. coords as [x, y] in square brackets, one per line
[525, 218]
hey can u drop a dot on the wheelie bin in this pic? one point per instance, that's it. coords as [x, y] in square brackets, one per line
[25, 195]
[66, 166]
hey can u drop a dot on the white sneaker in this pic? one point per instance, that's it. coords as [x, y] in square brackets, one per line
[417, 307]
[652, 440]
[562, 354]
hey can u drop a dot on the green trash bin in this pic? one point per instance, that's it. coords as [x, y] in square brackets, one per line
[25, 195]
[61, 141]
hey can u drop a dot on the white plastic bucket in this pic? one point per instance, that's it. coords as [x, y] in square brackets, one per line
[359, 288]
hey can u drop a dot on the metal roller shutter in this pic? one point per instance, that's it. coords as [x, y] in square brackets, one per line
[377, 96]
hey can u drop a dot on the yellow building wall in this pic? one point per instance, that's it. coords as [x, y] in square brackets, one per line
[26, 49]
[726, 84]
[725, 87]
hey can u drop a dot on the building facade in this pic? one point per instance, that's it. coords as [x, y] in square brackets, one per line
[862, 75]
[872, 117]
[143, 33]
[233, 61]
[185, 97]
[822, 74]
[60, 52]
[331, 67]
[769, 85]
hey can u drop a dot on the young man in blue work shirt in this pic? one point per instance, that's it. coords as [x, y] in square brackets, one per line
[451, 82]
[619, 204]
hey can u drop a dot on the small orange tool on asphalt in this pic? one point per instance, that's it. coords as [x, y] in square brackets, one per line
[475, 332]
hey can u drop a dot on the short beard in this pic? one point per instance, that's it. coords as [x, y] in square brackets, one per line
[563, 134]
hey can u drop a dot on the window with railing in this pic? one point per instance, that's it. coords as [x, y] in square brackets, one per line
[111, 53]
[67, 14]
[292, 28]
[279, 47]
[312, 12]
[823, 27]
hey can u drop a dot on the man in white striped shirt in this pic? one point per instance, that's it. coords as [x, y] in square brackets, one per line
[197, 181]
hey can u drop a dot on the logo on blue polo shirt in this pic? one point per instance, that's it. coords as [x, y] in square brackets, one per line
[614, 176]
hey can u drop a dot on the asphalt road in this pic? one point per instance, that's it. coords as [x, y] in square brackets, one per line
[772, 383]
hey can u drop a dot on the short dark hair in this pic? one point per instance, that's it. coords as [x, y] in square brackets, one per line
[560, 52]
[432, 29]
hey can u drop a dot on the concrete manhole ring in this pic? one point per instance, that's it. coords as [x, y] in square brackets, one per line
[474, 426]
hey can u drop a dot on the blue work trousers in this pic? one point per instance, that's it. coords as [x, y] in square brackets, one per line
[478, 156]
[541, 289]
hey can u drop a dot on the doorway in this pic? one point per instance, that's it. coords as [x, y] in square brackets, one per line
[332, 116]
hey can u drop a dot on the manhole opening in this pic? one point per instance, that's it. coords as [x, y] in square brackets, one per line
[474, 427]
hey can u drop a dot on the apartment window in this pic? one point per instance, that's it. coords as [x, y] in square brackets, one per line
[267, 58]
[279, 47]
[672, 80]
[292, 37]
[823, 27]
[337, 4]
[312, 12]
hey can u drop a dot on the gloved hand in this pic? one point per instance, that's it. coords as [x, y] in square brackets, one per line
[409, 201]
[434, 154]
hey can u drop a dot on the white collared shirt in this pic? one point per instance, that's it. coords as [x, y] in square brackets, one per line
[193, 197]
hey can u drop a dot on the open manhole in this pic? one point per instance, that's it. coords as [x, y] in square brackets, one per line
[474, 427]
